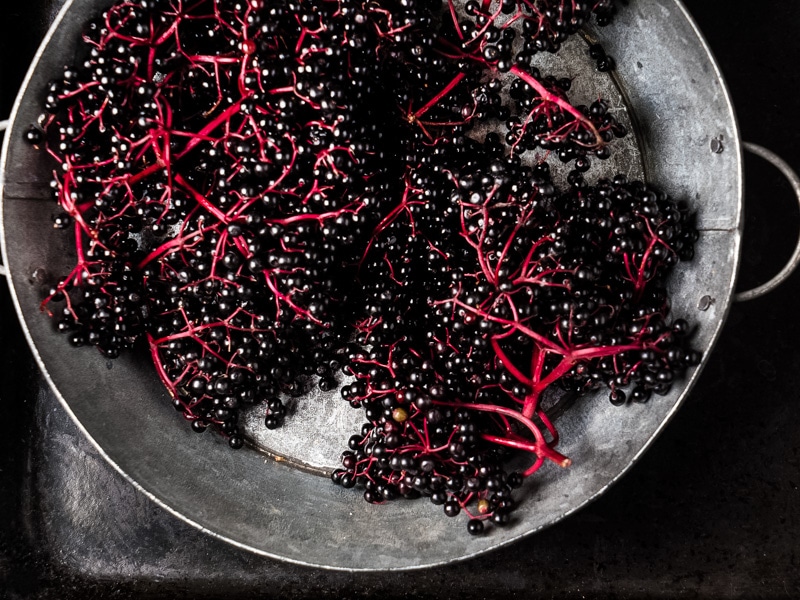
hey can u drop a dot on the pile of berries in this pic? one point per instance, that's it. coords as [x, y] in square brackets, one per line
[229, 169]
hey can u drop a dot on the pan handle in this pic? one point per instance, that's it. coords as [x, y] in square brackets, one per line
[794, 261]
[3, 127]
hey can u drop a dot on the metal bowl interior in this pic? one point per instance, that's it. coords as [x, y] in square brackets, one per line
[680, 103]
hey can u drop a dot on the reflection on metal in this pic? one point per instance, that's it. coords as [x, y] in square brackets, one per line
[316, 431]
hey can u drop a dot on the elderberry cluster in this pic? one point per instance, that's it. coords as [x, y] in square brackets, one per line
[545, 25]
[527, 291]
[230, 168]
[230, 158]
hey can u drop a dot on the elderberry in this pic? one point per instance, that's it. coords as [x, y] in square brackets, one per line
[329, 206]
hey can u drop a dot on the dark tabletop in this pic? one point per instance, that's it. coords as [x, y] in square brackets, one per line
[712, 510]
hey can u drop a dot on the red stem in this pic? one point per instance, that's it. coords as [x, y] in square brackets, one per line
[548, 96]
[435, 100]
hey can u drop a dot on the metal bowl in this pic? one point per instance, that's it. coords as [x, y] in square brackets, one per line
[687, 143]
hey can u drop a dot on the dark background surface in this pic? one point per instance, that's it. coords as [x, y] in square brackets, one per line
[712, 510]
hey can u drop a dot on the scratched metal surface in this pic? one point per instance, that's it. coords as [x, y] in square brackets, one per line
[282, 512]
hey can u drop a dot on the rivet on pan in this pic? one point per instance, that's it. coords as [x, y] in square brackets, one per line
[705, 302]
[39, 276]
[716, 145]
